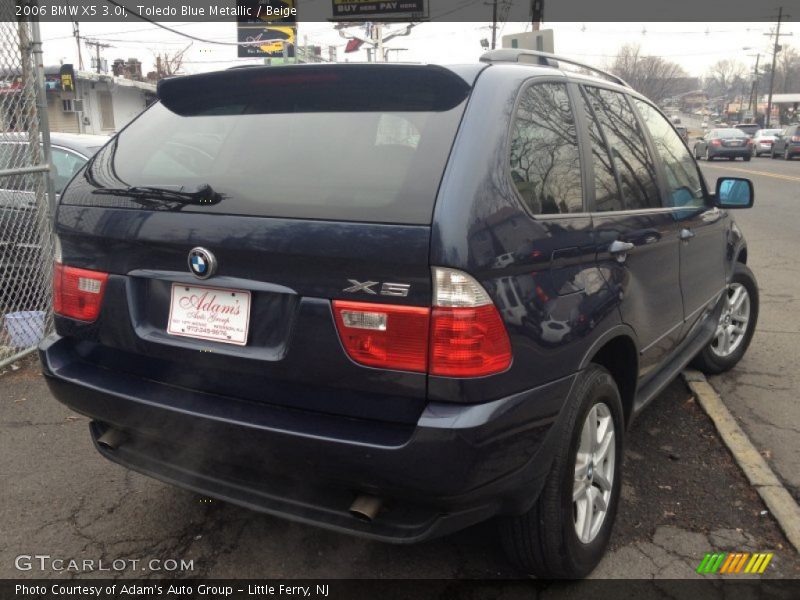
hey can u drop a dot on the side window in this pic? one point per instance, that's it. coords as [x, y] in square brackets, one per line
[65, 165]
[606, 186]
[682, 176]
[545, 161]
[628, 148]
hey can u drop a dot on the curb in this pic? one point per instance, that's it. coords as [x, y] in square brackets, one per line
[777, 498]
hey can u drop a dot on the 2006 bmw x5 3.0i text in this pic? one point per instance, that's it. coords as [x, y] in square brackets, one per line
[395, 300]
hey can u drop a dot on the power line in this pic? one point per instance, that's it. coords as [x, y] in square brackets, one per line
[186, 35]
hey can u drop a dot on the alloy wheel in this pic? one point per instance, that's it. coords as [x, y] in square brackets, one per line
[732, 325]
[594, 473]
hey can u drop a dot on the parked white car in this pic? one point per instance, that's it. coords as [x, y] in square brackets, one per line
[763, 140]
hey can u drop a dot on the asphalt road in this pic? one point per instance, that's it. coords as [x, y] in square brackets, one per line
[762, 392]
[682, 497]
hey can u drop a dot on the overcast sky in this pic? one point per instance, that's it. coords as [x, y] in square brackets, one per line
[695, 46]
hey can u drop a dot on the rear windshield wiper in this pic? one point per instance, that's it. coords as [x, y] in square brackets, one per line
[200, 195]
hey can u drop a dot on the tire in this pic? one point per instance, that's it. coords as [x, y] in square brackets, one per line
[544, 542]
[708, 156]
[709, 360]
[697, 154]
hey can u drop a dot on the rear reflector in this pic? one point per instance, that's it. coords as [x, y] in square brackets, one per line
[78, 293]
[463, 334]
[383, 335]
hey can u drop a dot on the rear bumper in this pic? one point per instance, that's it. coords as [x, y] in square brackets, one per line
[460, 464]
[730, 152]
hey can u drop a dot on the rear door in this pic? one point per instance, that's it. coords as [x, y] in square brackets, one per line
[300, 185]
[637, 237]
[701, 225]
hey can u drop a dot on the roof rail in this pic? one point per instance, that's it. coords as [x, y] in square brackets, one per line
[545, 59]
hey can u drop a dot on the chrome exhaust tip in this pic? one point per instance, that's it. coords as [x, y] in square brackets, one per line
[111, 439]
[366, 507]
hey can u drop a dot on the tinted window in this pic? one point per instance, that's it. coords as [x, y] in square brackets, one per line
[606, 187]
[628, 147]
[545, 162]
[682, 176]
[294, 142]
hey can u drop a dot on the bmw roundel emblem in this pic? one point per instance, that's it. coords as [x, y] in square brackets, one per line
[202, 263]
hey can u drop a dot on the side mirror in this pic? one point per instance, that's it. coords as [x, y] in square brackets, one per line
[734, 192]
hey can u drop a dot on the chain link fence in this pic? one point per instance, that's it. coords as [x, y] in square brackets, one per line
[26, 241]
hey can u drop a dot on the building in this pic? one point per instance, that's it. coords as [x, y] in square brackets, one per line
[87, 102]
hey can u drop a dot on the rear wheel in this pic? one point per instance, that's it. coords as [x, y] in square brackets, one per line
[735, 326]
[565, 533]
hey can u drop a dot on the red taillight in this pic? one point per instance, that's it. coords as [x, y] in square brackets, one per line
[463, 334]
[468, 342]
[384, 335]
[78, 293]
[715, 142]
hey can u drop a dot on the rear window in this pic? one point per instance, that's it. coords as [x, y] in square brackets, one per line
[729, 133]
[354, 144]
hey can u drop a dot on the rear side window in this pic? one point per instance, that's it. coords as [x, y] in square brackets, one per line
[544, 159]
[350, 143]
[628, 148]
[606, 185]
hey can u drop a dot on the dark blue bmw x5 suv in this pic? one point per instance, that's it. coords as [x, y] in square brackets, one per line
[395, 300]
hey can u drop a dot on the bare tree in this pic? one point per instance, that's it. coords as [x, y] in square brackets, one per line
[787, 71]
[725, 78]
[653, 76]
[169, 63]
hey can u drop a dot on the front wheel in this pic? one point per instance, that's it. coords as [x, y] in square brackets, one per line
[565, 533]
[735, 327]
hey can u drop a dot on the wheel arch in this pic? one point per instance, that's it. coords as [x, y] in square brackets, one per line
[618, 352]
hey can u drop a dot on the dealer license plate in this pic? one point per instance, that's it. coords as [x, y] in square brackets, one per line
[207, 313]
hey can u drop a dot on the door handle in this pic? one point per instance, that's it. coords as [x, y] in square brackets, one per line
[620, 249]
[686, 234]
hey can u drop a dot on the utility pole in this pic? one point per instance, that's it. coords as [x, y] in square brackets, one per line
[537, 14]
[76, 31]
[775, 50]
[97, 46]
[754, 90]
[494, 24]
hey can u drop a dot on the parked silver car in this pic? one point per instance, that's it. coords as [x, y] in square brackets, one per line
[763, 140]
